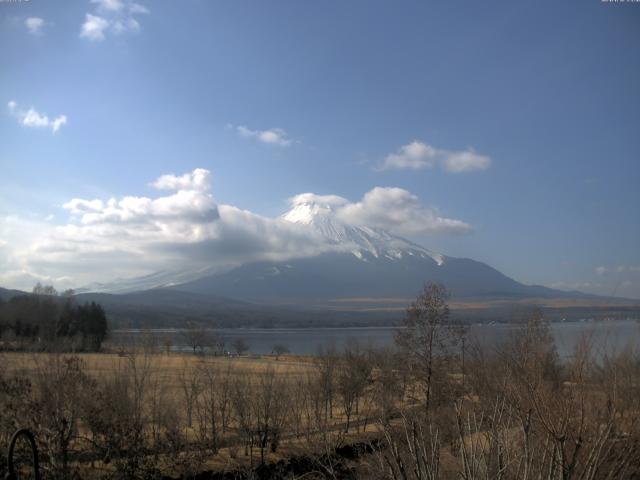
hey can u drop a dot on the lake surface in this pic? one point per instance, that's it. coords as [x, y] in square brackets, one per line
[606, 335]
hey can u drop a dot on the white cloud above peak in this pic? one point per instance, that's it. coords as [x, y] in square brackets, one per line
[34, 25]
[272, 136]
[389, 208]
[419, 155]
[332, 201]
[31, 118]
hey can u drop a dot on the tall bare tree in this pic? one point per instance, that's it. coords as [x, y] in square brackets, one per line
[428, 337]
[352, 379]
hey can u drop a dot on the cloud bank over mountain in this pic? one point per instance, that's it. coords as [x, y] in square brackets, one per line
[389, 208]
[184, 227]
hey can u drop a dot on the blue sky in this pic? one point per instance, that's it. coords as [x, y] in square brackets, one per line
[537, 103]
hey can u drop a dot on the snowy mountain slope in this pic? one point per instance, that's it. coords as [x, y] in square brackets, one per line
[147, 282]
[364, 240]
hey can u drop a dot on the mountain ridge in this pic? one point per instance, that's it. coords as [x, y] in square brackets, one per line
[356, 261]
[369, 262]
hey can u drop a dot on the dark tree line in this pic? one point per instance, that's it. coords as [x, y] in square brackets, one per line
[45, 319]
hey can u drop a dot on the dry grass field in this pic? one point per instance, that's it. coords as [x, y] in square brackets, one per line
[170, 366]
[185, 386]
[511, 413]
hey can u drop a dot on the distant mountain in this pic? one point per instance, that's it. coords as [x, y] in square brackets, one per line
[162, 298]
[369, 262]
[366, 276]
[335, 275]
[165, 307]
[8, 294]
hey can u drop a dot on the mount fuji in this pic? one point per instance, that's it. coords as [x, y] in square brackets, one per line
[359, 262]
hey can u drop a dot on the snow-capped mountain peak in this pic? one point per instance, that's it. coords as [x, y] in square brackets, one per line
[362, 241]
[307, 213]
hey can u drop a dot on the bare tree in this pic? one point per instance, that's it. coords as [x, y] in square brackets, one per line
[212, 404]
[535, 418]
[190, 387]
[116, 417]
[427, 339]
[244, 415]
[183, 459]
[196, 336]
[390, 383]
[240, 345]
[280, 349]
[61, 386]
[270, 407]
[352, 379]
[326, 362]
[410, 451]
[47, 290]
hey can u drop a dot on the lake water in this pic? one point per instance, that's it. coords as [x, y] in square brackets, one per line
[607, 335]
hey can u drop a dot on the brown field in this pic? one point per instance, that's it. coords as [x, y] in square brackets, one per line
[171, 366]
[168, 375]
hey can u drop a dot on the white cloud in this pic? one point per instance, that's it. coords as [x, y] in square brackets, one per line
[135, 235]
[34, 119]
[109, 5]
[127, 25]
[418, 155]
[415, 155]
[617, 269]
[467, 161]
[273, 136]
[78, 205]
[332, 201]
[184, 229]
[184, 205]
[34, 25]
[16, 236]
[58, 122]
[93, 27]
[398, 210]
[191, 203]
[111, 16]
[199, 179]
